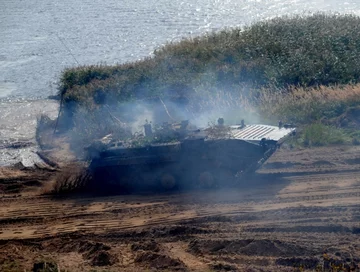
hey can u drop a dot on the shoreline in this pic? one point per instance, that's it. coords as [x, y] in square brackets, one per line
[18, 125]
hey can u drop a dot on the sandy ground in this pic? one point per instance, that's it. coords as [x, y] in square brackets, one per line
[300, 212]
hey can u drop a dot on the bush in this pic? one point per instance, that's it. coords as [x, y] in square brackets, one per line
[301, 51]
[306, 105]
[258, 65]
[319, 135]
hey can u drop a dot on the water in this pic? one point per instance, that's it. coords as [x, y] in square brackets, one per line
[40, 38]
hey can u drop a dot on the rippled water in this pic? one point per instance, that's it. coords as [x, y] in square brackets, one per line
[40, 38]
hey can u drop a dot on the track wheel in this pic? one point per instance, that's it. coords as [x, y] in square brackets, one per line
[167, 181]
[206, 180]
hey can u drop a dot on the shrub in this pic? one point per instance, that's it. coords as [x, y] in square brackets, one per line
[300, 51]
[258, 65]
[306, 105]
[318, 135]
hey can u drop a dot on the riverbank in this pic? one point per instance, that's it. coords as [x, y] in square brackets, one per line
[18, 126]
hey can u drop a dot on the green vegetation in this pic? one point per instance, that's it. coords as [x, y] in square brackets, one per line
[328, 115]
[320, 49]
[256, 66]
[318, 134]
[307, 105]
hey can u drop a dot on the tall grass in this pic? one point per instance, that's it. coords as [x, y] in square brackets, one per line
[318, 134]
[300, 51]
[305, 105]
[326, 115]
[254, 69]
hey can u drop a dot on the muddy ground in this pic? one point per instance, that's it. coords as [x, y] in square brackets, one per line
[300, 212]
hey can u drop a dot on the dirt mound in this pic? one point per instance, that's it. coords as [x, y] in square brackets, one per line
[67, 245]
[146, 245]
[164, 231]
[102, 258]
[223, 267]
[96, 253]
[160, 261]
[248, 247]
[184, 230]
[308, 263]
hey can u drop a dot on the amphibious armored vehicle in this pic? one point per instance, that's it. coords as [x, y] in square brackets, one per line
[180, 156]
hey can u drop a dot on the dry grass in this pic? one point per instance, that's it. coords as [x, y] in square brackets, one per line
[299, 51]
[306, 105]
[326, 115]
[241, 73]
[298, 105]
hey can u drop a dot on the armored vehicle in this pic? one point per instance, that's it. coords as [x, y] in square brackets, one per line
[181, 156]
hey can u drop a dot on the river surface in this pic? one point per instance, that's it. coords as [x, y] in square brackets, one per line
[38, 39]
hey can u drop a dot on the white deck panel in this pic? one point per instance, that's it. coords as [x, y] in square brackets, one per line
[258, 132]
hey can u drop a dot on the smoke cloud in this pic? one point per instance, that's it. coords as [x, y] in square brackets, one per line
[126, 119]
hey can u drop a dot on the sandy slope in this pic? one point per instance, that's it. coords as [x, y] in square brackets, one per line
[302, 210]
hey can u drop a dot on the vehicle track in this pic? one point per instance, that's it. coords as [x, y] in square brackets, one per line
[273, 221]
[302, 198]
